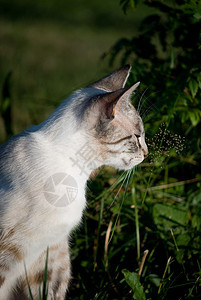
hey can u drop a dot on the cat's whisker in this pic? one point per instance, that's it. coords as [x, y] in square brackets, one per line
[133, 171]
[118, 180]
[127, 183]
[147, 111]
[146, 100]
[151, 103]
[119, 188]
[139, 103]
[126, 178]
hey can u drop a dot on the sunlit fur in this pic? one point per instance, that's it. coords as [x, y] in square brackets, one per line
[99, 116]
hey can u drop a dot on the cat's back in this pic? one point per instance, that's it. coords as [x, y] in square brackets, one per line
[14, 156]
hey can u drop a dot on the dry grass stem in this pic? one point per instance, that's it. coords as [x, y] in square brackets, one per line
[107, 242]
[143, 261]
[165, 186]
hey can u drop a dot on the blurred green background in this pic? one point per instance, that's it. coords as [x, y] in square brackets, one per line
[49, 49]
[54, 47]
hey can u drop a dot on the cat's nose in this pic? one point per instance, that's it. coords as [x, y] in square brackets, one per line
[146, 155]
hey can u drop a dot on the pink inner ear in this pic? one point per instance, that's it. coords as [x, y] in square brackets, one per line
[113, 110]
[117, 109]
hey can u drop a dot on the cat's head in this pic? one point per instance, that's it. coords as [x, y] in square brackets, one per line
[112, 123]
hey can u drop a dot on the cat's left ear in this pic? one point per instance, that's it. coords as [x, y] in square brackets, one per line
[113, 81]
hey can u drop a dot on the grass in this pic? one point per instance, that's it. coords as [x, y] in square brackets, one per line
[43, 288]
[154, 226]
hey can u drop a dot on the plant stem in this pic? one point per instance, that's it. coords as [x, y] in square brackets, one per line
[136, 222]
[166, 267]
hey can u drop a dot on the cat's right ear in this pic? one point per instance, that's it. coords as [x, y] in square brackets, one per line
[114, 81]
[106, 106]
[102, 107]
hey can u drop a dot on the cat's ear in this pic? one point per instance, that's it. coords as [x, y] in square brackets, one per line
[114, 81]
[129, 91]
[110, 101]
[104, 106]
[124, 99]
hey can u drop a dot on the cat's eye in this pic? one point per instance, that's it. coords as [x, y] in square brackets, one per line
[138, 139]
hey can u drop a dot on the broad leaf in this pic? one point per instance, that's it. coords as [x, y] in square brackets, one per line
[133, 280]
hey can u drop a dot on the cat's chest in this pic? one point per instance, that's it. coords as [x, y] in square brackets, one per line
[66, 210]
[54, 223]
[56, 199]
[55, 227]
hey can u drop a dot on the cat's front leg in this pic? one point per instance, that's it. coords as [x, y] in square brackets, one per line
[58, 273]
[62, 271]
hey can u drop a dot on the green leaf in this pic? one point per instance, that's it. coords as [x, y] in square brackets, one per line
[183, 239]
[6, 103]
[133, 280]
[195, 116]
[126, 4]
[196, 222]
[193, 85]
[154, 279]
[166, 215]
[198, 77]
[197, 16]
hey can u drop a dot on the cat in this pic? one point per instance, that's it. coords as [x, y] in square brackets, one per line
[43, 175]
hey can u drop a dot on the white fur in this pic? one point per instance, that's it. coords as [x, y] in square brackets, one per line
[43, 151]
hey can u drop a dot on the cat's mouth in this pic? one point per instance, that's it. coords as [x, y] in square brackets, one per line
[143, 156]
[135, 160]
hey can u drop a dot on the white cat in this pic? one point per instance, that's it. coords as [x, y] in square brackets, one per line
[43, 175]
